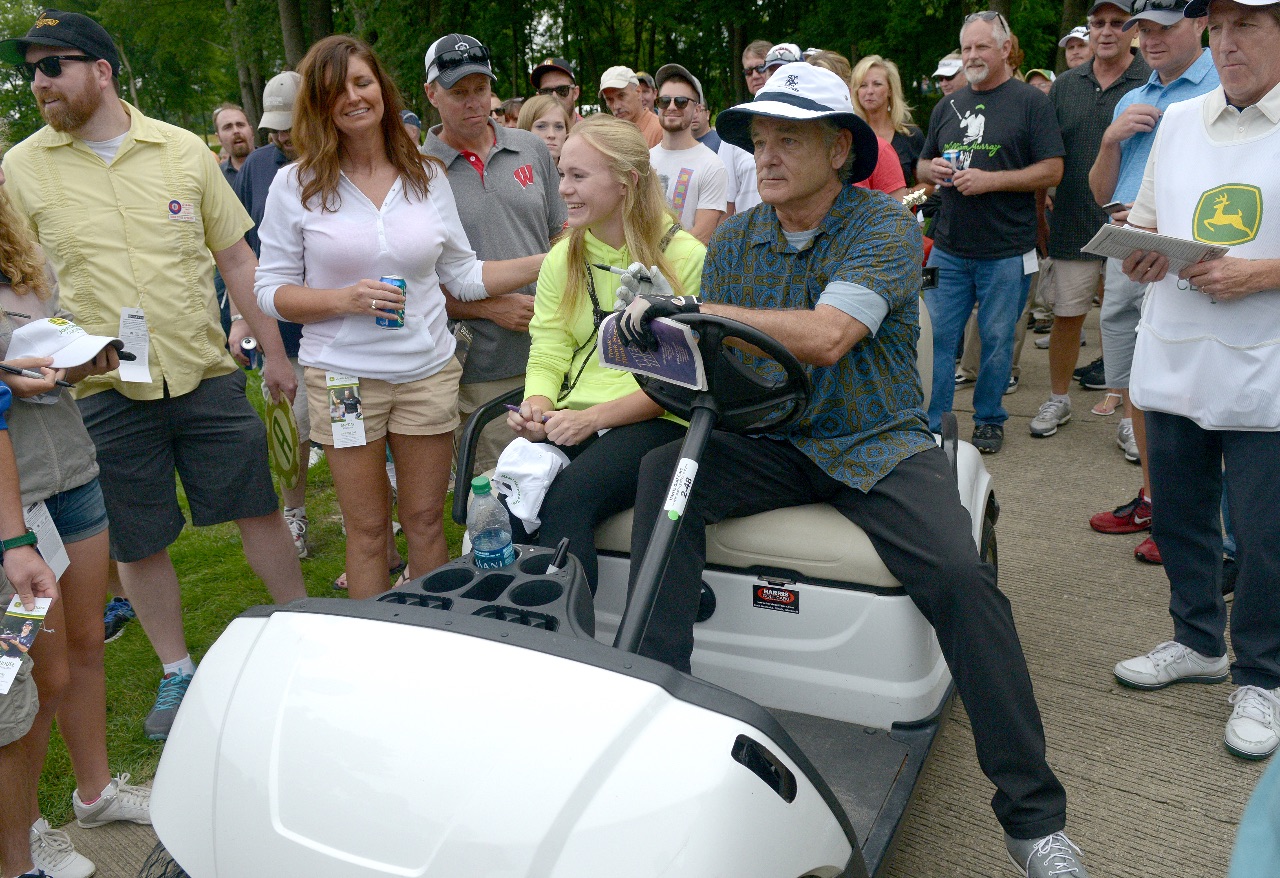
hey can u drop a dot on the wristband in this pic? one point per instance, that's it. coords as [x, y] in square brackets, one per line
[27, 539]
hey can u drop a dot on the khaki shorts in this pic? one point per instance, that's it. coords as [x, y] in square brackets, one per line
[17, 709]
[301, 408]
[426, 407]
[1069, 285]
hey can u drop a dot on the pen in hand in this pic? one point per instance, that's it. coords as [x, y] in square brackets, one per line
[31, 373]
[515, 408]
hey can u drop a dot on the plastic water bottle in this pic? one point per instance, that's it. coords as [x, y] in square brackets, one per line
[489, 528]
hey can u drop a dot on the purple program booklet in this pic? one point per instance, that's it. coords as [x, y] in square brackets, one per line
[676, 360]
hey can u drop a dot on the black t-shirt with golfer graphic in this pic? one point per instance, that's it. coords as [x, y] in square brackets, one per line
[1008, 128]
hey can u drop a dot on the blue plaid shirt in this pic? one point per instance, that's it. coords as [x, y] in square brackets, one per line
[866, 412]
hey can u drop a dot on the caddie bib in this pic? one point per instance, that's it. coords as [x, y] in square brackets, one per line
[1217, 363]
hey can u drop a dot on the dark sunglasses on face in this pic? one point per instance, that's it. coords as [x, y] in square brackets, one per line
[667, 100]
[759, 68]
[560, 91]
[51, 66]
[449, 60]
[498, 113]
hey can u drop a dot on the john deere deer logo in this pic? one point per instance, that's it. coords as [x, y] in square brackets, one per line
[1228, 215]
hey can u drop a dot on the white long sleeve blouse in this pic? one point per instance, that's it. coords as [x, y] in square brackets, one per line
[421, 240]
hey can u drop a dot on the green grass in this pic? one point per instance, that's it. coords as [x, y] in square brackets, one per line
[217, 585]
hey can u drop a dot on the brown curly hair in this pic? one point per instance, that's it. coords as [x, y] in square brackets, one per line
[20, 258]
[324, 76]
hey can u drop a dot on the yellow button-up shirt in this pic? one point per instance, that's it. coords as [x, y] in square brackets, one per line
[135, 233]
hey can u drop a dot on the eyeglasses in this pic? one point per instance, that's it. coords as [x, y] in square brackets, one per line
[667, 100]
[451, 59]
[759, 68]
[560, 91]
[498, 113]
[51, 66]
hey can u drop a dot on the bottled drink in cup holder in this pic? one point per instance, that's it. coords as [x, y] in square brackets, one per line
[489, 528]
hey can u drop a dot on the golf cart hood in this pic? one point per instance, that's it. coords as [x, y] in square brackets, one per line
[322, 743]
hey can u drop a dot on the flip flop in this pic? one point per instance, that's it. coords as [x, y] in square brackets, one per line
[1107, 407]
[340, 584]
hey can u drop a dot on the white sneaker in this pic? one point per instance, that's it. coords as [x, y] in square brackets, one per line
[119, 801]
[1253, 732]
[1171, 662]
[1128, 444]
[52, 851]
[297, 521]
[1052, 415]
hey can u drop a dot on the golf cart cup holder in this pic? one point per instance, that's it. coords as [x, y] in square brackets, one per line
[522, 594]
[746, 399]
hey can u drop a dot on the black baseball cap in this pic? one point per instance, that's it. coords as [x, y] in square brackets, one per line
[452, 57]
[548, 66]
[64, 30]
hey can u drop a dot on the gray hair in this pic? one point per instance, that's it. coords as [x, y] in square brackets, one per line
[999, 27]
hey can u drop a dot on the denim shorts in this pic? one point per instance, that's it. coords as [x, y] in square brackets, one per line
[78, 513]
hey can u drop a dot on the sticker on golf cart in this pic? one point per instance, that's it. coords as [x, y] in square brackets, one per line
[681, 486]
[768, 596]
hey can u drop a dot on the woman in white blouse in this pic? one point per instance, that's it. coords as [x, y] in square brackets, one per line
[360, 204]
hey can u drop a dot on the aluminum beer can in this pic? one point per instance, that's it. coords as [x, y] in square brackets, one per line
[951, 157]
[396, 322]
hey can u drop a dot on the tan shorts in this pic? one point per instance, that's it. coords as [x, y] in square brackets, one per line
[17, 709]
[426, 407]
[301, 408]
[1069, 285]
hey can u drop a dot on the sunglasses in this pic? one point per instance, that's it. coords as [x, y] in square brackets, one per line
[667, 100]
[51, 66]
[498, 113]
[560, 91]
[759, 68]
[1165, 5]
[452, 59]
[987, 15]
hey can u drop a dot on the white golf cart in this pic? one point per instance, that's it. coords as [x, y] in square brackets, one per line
[481, 723]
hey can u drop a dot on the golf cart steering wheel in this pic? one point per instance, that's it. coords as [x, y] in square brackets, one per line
[744, 400]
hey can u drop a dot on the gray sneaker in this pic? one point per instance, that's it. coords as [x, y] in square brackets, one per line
[1171, 662]
[173, 688]
[1127, 442]
[1051, 416]
[1049, 857]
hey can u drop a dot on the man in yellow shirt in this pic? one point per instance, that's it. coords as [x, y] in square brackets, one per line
[128, 210]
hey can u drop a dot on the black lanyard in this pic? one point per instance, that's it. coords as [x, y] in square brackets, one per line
[597, 317]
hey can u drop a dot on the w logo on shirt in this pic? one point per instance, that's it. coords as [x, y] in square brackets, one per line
[524, 176]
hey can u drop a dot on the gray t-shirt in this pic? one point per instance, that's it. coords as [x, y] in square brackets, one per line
[514, 210]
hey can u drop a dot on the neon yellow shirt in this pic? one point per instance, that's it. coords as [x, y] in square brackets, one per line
[554, 339]
[135, 233]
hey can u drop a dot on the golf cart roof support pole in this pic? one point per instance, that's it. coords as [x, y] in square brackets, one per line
[635, 619]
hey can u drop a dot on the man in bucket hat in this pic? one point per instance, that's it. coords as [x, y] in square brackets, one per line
[832, 272]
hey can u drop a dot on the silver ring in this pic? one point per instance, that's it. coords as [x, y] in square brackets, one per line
[374, 305]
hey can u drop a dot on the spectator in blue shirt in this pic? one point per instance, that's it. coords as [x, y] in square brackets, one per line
[833, 273]
[1181, 70]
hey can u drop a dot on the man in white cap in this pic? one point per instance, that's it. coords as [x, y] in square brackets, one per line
[509, 201]
[1205, 372]
[950, 74]
[832, 272]
[128, 210]
[692, 176]
[620, 90]
[251, 187]
[1076, 46]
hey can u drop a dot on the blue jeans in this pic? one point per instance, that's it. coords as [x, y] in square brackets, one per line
[1000, 288]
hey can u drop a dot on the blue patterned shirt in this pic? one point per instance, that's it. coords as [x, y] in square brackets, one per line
[866, 412]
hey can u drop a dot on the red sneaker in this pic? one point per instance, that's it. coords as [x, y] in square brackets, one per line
[1148, 551]
[1131, 518]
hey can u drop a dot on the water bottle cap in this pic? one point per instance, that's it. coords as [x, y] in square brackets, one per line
[480, 485]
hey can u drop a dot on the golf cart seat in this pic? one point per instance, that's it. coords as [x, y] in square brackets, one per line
[813, 542]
